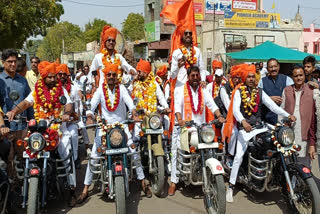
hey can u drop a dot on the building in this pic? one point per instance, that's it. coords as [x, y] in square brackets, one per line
[310, 41]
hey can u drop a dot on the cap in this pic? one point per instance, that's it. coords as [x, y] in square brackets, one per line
[219, 72]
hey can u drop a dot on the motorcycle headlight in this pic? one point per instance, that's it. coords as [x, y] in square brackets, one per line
[116, 137]
[207, 134]
[286, 136]
[36, 142]
[155, 122]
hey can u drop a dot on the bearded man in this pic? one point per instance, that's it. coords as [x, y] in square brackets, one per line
[45, 101]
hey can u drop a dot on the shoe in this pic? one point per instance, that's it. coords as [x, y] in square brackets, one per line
[77, 163]
[73, 200]
[82, 198]
[172, 189]
[146, 189]
[229, 195]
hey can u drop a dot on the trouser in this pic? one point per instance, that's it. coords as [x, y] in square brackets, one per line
[84, 132]
[175, 145]
[73, 130]
[95, 154]
[237, 161]
[64, 149]
[233, 139]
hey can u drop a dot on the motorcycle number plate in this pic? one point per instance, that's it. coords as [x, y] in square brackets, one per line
[116, 151]
[42, 155]
[154, 131]
[208, 146]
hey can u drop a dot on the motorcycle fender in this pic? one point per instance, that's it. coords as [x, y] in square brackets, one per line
[304, 171]
[157, 150]
[215, 166]
[117, 169]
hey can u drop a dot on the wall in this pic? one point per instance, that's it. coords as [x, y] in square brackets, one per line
[310, 35]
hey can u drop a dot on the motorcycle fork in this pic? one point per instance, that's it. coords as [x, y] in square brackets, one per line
[150, 152]
[286, 174]
[44, 182]
[110, 177]
[205, 179]
[126, 175]
[25, 184]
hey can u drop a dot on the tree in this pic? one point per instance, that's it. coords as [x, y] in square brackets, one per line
[133, 27]
[32, 46]
[93, 29]
[22, 19]
[63, 32]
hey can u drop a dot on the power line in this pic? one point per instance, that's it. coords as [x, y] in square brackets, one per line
[102, 5]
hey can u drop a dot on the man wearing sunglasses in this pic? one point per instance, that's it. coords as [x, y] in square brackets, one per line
[108, 54]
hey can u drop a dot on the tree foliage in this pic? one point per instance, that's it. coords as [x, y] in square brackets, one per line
[21, 19]
[51, 46]
[32, 46]
[93, 29]
[133, 27]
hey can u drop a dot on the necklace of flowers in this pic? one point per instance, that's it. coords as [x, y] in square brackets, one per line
[107, 58]
[216, 88]
[189, 55]
[106, 96]
[145, 92]
[250, 101]
[67, 86]
[46, 101]
[200, 101]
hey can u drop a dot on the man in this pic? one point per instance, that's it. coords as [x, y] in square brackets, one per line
[162, 80]
[246, 108]
[309, 65]
[33, 75]
[188, 107]
[9, 81]
[300, 100]
[21, 67]
[113, 110]
[258, 74]
[108, 55]
[63, 75]
[47, 90]
[215, 66]
[273, 86]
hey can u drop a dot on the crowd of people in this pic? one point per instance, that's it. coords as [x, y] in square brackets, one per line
[240, 98]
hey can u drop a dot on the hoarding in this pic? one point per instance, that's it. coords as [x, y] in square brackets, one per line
[244, 5]
[251, 20]
[218, 6]
[198, 10]
[152, 30]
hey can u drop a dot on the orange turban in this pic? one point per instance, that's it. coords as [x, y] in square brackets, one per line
[46, 67]
[245, 70]
[106, 33]
[162, 71]
[111, 67]
[235, 71]
[144, 66]
[63, 68]
[216, 64]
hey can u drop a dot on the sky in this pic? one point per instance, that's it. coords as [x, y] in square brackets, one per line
[81, 14]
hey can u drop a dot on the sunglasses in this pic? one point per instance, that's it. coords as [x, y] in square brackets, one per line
[62, 74]
[112, 74]
[111, 40]
[188, 33]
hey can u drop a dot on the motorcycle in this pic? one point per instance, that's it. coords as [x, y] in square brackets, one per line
[198, 164]
[270, 164]
[154, 148]
[4, 180]
[112, 167]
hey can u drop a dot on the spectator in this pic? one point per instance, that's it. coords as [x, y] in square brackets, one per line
[22, 67]
[33, 75]
[309, 65]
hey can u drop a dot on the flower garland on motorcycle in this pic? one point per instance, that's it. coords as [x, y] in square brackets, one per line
[286, 152]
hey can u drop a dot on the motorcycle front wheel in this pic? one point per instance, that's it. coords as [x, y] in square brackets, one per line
[120, 195]
[308, 196]
[159, 177]
[215, 200]
[33, 195]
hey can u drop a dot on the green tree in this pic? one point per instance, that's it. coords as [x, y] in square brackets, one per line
[32, 46]
[133, 27]
[22, 19]
[93, 29]
[63, 32]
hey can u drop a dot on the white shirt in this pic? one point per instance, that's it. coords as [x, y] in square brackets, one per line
[98, 65]
[167, 92]
[30, 97]
[160, 97]
[120, 113]
[181, 73]
[179, 103]
[225, 97]
[266, 100]
[75, 99]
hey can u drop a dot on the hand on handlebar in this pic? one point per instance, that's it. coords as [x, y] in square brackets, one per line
[65, 117]
[4, 131]
[292, 118]
[247, 127]
[221, 119]
[182, 123]
[168, 110]
[10, 115]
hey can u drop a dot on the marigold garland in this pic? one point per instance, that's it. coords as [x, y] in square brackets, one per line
[46, 101]
[250, 101]
[114, 106]
[216, 88]
[200, 101]
[189, 55]
[145, 92]
[107, 58]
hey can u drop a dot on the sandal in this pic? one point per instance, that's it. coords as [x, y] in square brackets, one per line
[82, 198]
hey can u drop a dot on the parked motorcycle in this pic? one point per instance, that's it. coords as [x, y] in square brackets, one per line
[198, 164]
[270, 164]
[112, 166]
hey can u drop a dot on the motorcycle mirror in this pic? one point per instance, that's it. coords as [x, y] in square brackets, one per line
[14, 95]
[63, 100]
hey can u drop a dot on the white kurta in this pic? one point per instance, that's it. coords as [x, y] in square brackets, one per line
[181, 73]
[98, 65]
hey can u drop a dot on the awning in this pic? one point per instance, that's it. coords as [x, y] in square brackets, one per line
[267, 50]
[160, 45]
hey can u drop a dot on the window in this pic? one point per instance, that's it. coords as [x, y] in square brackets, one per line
[151, 10]
[305, 48]
[209, 57]
[316, 47]
[259, 39]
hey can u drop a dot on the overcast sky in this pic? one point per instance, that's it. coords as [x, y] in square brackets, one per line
[81, 14]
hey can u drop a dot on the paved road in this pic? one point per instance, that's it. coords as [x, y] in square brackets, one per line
[185, 201]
